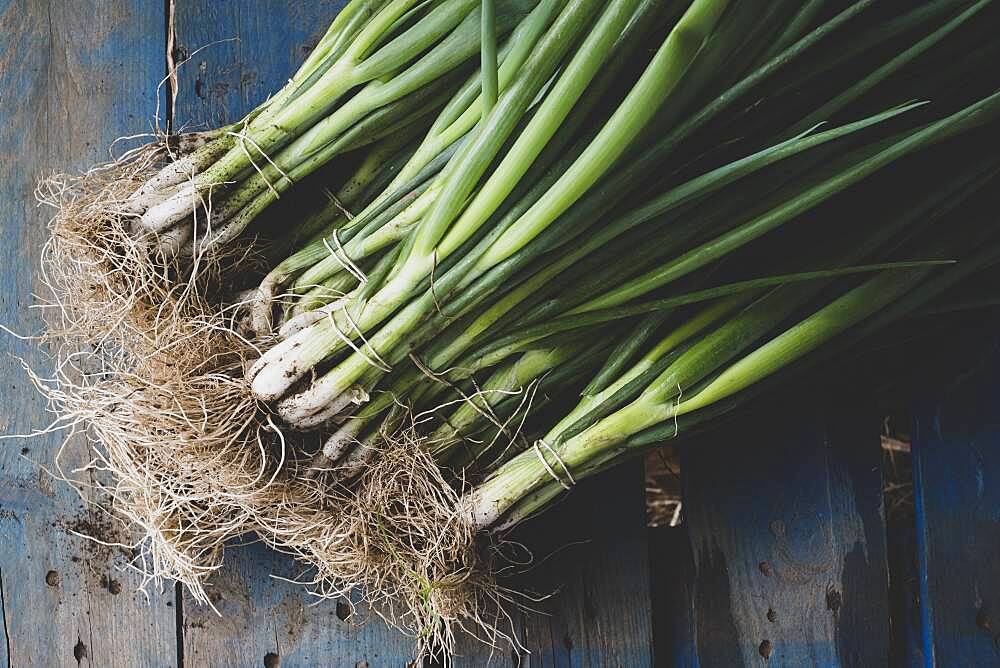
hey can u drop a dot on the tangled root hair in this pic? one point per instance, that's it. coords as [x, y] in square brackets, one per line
[149, 365]
[396, 536]
[183, 448]
[105, 281]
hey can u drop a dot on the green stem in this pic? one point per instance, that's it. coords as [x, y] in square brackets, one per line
[806, 336]
[510, 378]
[491, 83]
[504, 346]
[654, 86]
[671, 342]
[468, 167]
[536, 467]
[461, 115]
[354, 67]
[895, 64]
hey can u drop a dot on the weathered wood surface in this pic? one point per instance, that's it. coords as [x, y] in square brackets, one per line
[74, 76]
[591, 553]
[787, 539]
[956, 465]
[672, 576]
[232, 55]
[601, 615]
[904, 589]
[264, 620]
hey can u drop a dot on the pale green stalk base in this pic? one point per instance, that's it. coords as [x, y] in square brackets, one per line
[489, 501]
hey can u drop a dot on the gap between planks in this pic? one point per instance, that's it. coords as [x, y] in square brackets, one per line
[170, 75]
[3, 613]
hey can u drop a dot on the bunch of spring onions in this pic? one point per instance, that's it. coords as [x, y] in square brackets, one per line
[565, 231]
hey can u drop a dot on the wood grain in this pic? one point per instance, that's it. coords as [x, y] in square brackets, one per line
[956, 481]
[232, 55]
[785, 515]
[263, 619]
[672, 576]
[74, 76]
[591, 560]
[904, 591]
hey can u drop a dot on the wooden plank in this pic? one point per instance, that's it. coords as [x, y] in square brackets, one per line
[956, 479]
[74, 76]
[907, 644]
[591, 551]
[248, 51]
[785, 513]
[264, 621]
[672, 579]
[239, 53]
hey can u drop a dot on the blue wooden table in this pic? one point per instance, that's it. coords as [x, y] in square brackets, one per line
[782, 559]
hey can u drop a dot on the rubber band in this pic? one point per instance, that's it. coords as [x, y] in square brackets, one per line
[378, 362]
[255, 165]
[345, 261]
[551, 472]
[242, 137]
[357, 330]
[340, 205]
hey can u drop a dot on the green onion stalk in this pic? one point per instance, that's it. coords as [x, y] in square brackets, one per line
[412, 187]
[860, 313]
[172, 176]
[338, 260]
[694, 259]
[391, 217]
[601, 396]
[366, 237]
[415, 388]
[440, 245]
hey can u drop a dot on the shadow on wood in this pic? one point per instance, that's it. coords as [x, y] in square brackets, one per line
[591, 553]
